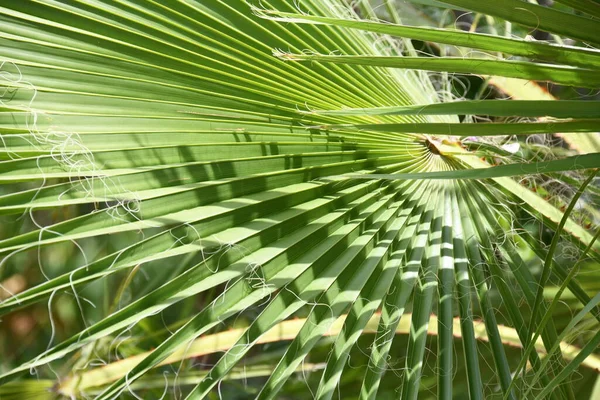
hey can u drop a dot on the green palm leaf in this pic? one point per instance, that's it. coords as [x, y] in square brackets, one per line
[163, 138]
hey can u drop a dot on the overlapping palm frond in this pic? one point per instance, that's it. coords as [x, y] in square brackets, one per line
[165, 139]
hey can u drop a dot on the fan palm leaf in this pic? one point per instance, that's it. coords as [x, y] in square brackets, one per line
[170, 130]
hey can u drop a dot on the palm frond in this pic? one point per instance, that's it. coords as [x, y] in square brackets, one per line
[164, 138]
